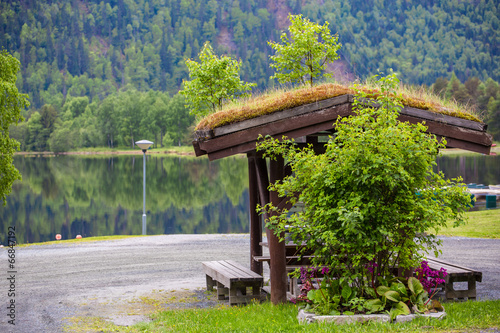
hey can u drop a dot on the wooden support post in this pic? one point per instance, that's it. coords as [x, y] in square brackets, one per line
[276, 248]
[255, 221]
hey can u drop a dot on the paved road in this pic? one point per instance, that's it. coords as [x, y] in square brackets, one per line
[54, 282]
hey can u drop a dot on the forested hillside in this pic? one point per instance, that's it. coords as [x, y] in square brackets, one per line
[106, 72]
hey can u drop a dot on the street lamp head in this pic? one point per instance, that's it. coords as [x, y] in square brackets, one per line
[144, 144]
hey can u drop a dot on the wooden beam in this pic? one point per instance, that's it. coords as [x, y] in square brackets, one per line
[277, 249]
[450, 131]
[250, 146]
[276, 128]
[470, 146]
[197, 149]
[255, 222]
[280, 115]
[262, 180]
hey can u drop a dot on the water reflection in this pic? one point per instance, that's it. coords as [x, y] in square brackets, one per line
[473, 168]
[98, 196]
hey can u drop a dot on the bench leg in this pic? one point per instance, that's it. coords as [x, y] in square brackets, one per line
[471, 284]
[256, 289]
[238, 292]
[210, 283]
[233, 295]
[470, 293]
[294, 287]
[221, 292]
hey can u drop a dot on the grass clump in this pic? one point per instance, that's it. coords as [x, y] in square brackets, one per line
[283, 99]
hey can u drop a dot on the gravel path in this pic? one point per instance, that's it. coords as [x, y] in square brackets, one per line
[108, 278]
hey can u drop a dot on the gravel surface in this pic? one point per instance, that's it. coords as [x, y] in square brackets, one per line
[123, 280]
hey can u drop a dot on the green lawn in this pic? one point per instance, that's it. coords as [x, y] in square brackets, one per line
[82, 240]
[471, 316]
[482, 224]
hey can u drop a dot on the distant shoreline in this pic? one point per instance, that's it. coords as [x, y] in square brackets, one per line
[118, 152]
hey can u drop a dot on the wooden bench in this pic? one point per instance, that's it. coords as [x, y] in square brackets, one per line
[290, 260]
[457, 273]
[233, 279]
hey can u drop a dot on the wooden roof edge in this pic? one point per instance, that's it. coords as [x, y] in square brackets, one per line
[283, 114]
[202, 135]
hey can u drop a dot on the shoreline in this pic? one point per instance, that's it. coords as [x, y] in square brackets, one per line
[119, 152]
[165, 151]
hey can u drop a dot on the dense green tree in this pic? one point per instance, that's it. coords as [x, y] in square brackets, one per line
[178, 119]
[305, 52]
[61, 140]
[11, 104]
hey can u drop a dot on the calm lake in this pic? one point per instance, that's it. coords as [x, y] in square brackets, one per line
[94, 195]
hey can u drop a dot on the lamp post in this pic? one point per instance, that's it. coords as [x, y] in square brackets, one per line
[144, 145]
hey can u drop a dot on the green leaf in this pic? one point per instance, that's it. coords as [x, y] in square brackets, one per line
[403, 308]
[346, 293]
[415, 286]
[381, 290]
[392, 295]
[374, 305]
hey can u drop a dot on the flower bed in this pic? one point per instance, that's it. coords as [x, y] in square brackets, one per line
[393, 299]
[309, 317]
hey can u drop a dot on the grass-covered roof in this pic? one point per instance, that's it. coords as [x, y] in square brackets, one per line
[283, 99]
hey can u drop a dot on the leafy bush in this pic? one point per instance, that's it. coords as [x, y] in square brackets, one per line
[371, 197]
[213, 80]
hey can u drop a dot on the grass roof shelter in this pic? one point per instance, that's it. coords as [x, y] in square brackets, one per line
[308, 115]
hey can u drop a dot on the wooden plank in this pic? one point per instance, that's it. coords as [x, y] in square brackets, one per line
[255, 222]
[216, 273]
[241, 273]
[227, 272]
[268, 258]
[299, 110]
[278, 127]
[450, 131]
[461, 144]
[436, 264]
[250, 146]
[443, 118]
[281, 115]
[197, 149]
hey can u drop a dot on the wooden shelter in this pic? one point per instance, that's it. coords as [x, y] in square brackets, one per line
[305, 124]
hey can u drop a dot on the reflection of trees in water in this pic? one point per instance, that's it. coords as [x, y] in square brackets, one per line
[95, 196]
[473, 168]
